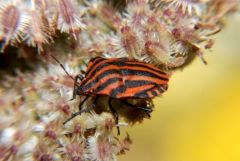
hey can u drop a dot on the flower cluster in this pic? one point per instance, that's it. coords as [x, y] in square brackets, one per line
[34, 105]
[35, 22]
[31, 122]
[165, 33]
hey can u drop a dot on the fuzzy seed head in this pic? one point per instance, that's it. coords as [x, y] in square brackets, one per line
[69, 19]
[43, 4]
[75, 152]
[100, 148]
[37, 33]
[129, 41]
[42, 153]
[13, 23]
[10, 19]
[66, 10]
[186, 6]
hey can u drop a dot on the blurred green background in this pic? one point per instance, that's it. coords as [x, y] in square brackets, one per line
[198, 118]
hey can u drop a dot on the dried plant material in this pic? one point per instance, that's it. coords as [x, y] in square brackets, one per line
[72, 150]
[101, 147]
[185, 6]
[37, 32]
[69, 17]
[129, 43]
[13, 23]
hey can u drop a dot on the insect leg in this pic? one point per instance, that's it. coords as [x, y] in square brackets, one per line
[75, 88]
[81, 103]
[114, 112]
[81, 111]
[145, 109]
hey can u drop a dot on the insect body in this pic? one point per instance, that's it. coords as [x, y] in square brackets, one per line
[122, 78]
[119, 78]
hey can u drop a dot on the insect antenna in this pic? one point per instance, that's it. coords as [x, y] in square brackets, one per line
[62, 66]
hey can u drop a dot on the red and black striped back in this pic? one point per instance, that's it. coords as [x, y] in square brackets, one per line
[123, 78]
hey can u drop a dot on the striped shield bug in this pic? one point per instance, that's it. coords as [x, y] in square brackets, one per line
[118, 78]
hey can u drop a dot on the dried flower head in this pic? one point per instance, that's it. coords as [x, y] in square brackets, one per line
[44, 151]
[72, 149]
[101, 147]
[13, 22]
[186, 6]
[69, 17]
[37, 32]
[129, 42]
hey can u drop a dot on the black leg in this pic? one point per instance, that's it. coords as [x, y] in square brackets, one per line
[81, 103]
[75, 88]
[115, 114]
[81, 111]
[145, 109]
